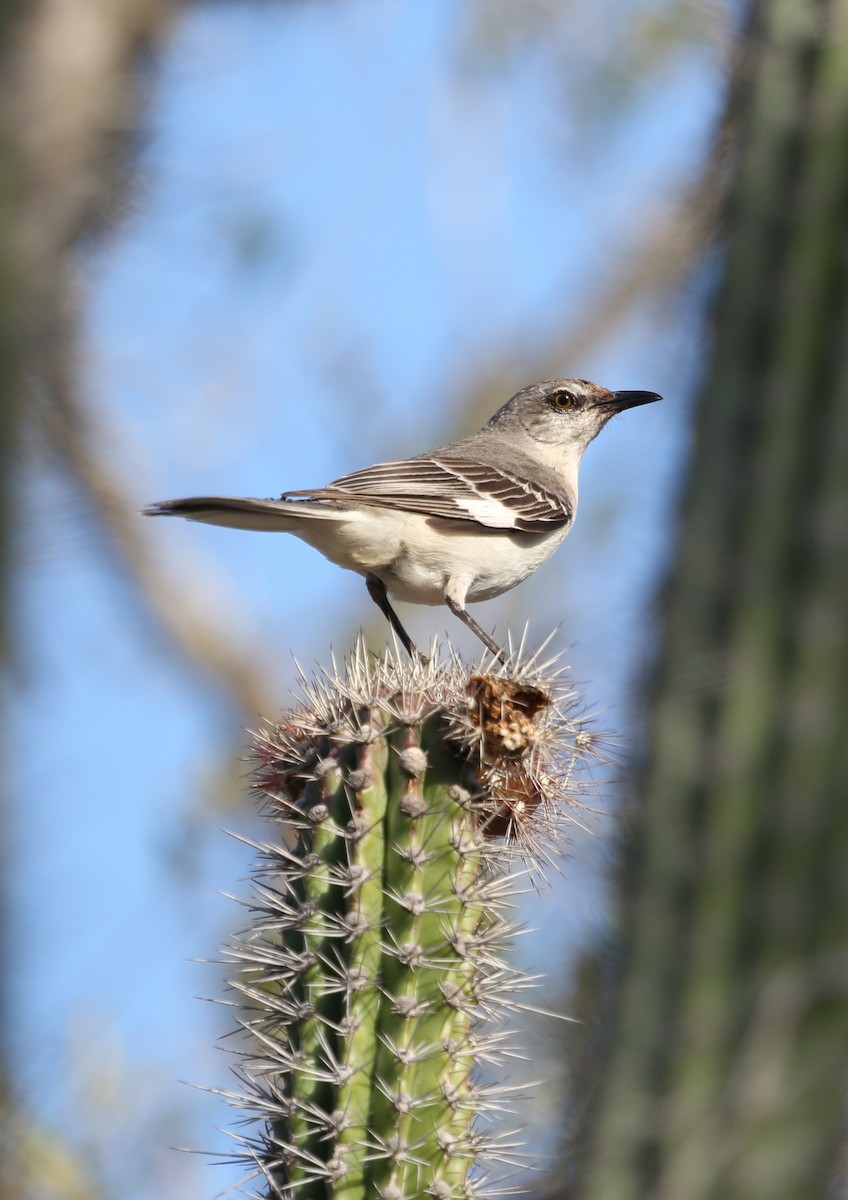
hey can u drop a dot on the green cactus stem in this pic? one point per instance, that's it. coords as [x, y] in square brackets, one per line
[371, 979]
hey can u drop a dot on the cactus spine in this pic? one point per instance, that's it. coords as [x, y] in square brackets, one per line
[371, 975]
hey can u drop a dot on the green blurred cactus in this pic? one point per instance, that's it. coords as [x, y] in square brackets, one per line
[371, 979]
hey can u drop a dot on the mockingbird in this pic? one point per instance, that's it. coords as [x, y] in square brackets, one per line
[458, 524]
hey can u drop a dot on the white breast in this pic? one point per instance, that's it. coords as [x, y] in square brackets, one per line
[416, 559]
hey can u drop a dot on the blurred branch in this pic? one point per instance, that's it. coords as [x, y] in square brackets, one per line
[603, 58]
[206, 638]
[661, 260]
[76, 86]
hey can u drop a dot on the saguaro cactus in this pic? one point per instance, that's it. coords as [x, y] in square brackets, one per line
[371, 978]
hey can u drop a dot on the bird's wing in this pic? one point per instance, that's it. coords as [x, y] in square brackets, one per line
[454, 489]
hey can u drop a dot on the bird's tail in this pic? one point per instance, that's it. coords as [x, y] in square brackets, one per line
[262, 515]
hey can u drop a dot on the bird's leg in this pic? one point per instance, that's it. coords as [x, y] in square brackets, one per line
[377, 592]
[458, 610]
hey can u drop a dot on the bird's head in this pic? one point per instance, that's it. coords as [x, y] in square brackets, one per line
[566, 413]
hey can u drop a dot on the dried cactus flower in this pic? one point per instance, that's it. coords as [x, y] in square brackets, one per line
[409, 801]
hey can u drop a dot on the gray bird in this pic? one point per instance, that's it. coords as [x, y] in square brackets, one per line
[461, 523]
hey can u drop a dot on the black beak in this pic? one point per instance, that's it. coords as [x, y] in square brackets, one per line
[619, 401]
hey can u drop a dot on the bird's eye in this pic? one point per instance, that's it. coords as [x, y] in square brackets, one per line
[564, 400]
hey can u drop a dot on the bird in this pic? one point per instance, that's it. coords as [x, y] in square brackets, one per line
[455, 525]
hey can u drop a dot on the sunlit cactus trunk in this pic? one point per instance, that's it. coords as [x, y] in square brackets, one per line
[372, 977]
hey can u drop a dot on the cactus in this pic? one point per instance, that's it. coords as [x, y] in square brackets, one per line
[725, 1050]
[409, 802]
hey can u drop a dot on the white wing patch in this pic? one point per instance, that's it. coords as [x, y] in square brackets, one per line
[488, 511]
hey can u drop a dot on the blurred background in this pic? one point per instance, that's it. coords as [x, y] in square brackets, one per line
[263, 244]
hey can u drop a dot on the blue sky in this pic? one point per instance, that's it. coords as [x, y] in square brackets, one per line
[343, 216]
